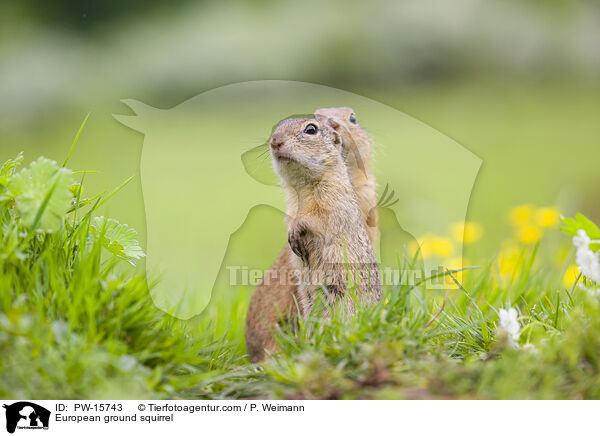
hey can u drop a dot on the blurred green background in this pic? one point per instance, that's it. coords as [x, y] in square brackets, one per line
[515, 82]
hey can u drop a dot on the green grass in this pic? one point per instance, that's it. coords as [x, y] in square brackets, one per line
[395, 350]
[75, 322]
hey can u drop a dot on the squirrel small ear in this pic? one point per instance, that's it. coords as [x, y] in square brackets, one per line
[320, 118]
[333, 124]
[327, 121]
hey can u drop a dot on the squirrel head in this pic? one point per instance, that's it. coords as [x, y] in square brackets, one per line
[305, 149]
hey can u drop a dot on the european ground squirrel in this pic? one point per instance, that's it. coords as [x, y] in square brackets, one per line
[274, 299]
[326, 231]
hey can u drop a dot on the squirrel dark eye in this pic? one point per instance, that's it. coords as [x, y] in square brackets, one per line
[311, 129]
[353, 119]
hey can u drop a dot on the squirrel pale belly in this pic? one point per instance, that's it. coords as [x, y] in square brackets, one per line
[274, 301]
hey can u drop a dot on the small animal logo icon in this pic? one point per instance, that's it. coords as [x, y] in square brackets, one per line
[26, 415]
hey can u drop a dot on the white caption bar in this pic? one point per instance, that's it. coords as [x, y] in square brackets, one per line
[284, 418]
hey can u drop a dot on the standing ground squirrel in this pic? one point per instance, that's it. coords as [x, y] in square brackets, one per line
[274, 299]
[326, 231]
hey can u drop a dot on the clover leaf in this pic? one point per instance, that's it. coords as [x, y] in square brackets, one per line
[119, 239]
[41, 194]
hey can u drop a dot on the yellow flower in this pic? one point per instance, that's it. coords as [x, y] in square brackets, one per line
[454, 264]
[423, 244]
[570, 276]
[441, 246]
[546, 217]
[509, 259]
[467, 233]
[521, 216]
[413, 247]
[435, 246]
[529, 234]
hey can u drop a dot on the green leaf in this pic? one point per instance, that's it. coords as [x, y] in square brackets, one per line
[6, 172]
[572, 225]
[42, 195]
[8, 168]
[119, 239]
[76, 190]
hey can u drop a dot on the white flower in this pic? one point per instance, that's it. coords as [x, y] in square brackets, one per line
[589, 264]
[586, 259]
[582, 240]
[509, 320]
[529, 347]
[592, 290]
[509, 325]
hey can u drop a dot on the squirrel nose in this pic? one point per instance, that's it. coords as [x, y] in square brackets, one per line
[276, 142]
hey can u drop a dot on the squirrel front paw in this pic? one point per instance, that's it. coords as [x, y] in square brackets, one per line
[298, 240]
